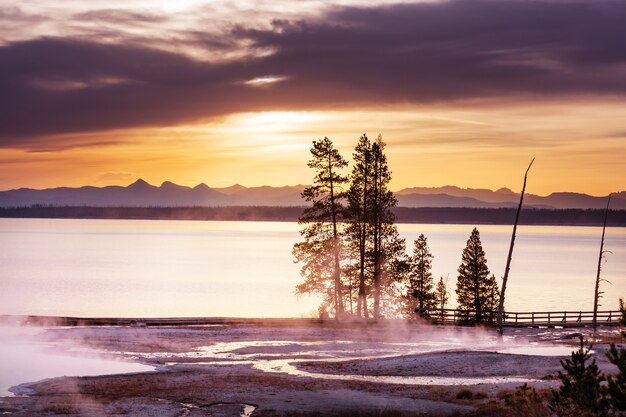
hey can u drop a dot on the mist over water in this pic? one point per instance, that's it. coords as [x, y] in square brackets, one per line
[29, 355]
[245, 269]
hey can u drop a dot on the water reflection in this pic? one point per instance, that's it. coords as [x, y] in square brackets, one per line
[245, 269]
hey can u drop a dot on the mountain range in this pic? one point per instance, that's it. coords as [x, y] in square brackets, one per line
[168, 194]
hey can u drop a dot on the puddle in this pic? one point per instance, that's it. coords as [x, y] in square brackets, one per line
[283, 356]
[248, 409]
[26, 358]
[538, 350]
[286, 366]
[218, 409]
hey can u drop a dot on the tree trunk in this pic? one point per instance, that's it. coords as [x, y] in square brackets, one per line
[596, 295]
[477, 312]
[377, 234]
[362, 300]
[508, 261]
[337, 271]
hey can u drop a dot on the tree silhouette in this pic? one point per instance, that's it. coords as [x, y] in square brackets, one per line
[371, 232]
[441, 294]
[582, 392]
[476, 289]
[617, 383]
[387, 245]
[320, 250]
[421, 284]
[358, 218]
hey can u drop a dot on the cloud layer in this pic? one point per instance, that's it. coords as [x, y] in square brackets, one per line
[343, 57]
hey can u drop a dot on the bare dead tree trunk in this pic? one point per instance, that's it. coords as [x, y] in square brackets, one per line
[597, 293]
[508, 261]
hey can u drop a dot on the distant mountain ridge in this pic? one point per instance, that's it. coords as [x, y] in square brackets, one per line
[504, 197]
[142, 194]
[168, 194]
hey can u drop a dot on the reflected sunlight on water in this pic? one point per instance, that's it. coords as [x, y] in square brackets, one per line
[245, 269]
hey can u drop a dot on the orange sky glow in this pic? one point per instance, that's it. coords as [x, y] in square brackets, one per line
[252, 119]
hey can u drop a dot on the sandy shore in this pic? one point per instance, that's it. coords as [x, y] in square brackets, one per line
[258, 370]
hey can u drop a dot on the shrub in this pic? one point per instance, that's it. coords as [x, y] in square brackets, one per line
[526, 402]
[465, 394]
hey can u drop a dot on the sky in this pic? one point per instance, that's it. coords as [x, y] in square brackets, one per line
[464, 92]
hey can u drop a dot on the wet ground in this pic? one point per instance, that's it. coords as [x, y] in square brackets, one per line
[387, 369]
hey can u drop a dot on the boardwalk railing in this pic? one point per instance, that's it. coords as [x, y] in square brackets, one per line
[524, 319]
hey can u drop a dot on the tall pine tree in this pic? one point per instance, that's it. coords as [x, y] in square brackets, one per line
[476, 289]
[358, 230]
[371, 232]
[421, 285]
[320, 250]
[387, 245]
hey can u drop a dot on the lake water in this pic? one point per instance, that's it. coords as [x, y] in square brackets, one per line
[245, 269]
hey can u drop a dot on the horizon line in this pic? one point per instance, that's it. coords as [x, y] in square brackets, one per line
[141, 180]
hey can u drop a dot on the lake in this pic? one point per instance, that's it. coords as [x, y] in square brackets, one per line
[149, 268]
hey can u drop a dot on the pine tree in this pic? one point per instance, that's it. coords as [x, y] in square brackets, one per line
[358, 219]
[477, 291]
[421, 285]
[371, 233]
[582, 393]
[320, 250]
[617, 383]
[392, 288]
[441, 295]
[492, 300]
[387, 245]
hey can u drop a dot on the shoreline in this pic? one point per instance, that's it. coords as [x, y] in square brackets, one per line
[72, 321]
[408, 215]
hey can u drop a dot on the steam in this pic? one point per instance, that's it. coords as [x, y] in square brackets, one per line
[31, 354]
[303, 352]
[392, 352]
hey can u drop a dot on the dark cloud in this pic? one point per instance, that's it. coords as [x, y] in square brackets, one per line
[53, 86]
[404, 53]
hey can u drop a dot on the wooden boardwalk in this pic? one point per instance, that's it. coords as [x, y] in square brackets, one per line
[436, 316]
[528, 319]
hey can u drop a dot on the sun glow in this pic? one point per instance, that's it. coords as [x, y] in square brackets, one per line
[278, 120]
[271, 148]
